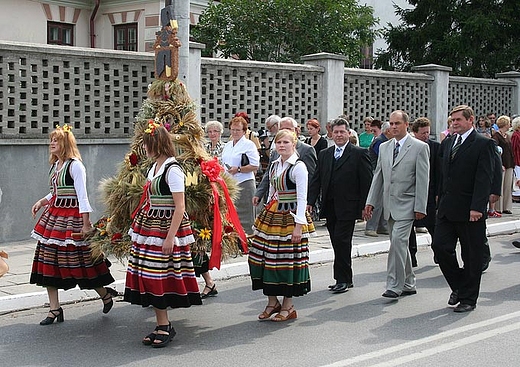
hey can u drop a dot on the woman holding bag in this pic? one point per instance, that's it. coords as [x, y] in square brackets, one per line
[241, 159]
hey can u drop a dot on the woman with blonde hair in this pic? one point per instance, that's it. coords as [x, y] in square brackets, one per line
[62, 259]
[279, 254]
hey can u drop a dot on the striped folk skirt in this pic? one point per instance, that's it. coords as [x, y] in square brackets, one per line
[59, 260]
[156, 279]
[277, 266]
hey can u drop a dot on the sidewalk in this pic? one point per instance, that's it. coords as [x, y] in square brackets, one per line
[16, 293]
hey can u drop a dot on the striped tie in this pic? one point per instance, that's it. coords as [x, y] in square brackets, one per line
[396, 150]
[456, 147]
[337, 153]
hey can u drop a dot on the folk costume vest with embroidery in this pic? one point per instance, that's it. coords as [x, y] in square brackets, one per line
[161, 205]
[285, 188]
[62, 184]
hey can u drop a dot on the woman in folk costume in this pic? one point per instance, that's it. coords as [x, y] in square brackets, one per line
[160, 270]
[279, 254]
[62, 259]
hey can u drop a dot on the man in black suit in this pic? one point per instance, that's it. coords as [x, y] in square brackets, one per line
[421, 131]
[467, 163]
[343, 175]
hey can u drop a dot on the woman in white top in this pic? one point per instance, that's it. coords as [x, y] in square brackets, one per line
[241, 159]
[62, 259]
[279, 254]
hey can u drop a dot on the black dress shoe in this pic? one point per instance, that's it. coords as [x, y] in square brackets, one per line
[390, 294]
[463, 307]
[409, 292]
[331, 287]
[516, 244]
[340, 288]
[454, 298]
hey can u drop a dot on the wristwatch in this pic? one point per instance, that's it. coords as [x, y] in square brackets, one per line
[239, 169]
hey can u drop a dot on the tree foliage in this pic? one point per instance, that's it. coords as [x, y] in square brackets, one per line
[285, 30]
[477, 38]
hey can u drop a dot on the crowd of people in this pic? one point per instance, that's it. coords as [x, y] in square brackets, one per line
[392, 175]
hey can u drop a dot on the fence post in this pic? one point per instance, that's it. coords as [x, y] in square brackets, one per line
[333, 84]
[514, 76]
[438, 104]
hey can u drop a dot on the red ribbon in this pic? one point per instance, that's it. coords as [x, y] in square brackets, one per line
[143, 198]
[211, 169]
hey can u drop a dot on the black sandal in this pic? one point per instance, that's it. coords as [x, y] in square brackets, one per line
[108, 295]
[212, 292]
[164, 339]
[58, 316]
[148, 340]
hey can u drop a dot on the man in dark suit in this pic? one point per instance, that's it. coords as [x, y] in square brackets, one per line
[305, 151]
[467, 165]
[421, 131]
[343, 175]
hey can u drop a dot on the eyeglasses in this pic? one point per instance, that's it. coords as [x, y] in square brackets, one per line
[269, 127]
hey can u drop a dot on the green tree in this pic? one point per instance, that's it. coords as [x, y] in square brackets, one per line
[475, 38]
[285, 30]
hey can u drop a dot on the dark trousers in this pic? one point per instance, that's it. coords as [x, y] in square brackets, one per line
[340, 232]
[429, 223]
[465, 280]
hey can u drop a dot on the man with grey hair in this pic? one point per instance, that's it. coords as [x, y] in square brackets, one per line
[305, 151]
[271, 128]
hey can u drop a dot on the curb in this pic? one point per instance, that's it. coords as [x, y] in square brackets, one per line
[39, 299]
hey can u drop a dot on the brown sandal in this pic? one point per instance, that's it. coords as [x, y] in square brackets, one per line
[290, 314]
[267, 314]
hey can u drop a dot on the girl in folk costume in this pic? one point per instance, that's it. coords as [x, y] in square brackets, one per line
[62, 259]
[279, 254]
[160, 270]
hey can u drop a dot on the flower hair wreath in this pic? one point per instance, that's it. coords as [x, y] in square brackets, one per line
[66, 128]
[152, 125]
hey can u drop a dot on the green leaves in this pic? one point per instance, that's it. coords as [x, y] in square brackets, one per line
[475, 38]
[285, 30]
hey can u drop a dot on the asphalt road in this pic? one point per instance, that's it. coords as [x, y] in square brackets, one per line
[357, 328]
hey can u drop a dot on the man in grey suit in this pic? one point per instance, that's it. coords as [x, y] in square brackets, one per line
[400, 186]
[305, 151]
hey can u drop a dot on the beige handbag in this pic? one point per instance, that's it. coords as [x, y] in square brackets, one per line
[4, 268]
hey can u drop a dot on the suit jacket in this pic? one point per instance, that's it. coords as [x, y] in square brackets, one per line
[307, 155]
[466, 180]
[401, 187]
[352, 172]
[435, 171]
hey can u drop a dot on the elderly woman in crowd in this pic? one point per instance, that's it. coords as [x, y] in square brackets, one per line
[504, 204]
[214, 147]
[240, 158]
[214, 131]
